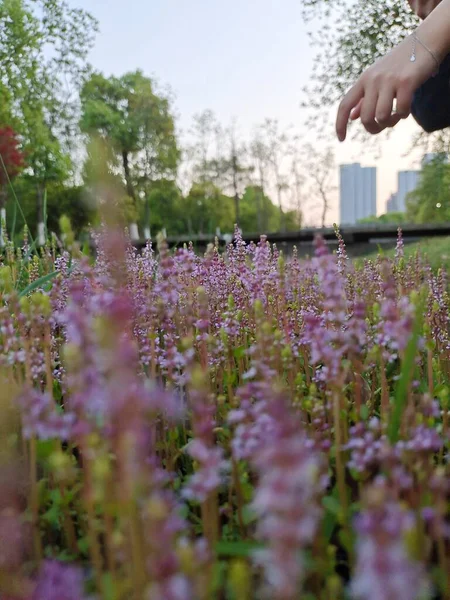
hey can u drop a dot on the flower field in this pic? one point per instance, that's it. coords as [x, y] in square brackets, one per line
[236, 425]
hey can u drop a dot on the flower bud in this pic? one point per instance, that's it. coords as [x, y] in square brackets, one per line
[6, 282]
[240, 579]
[186, 555]
[62, 467]
[156, 508]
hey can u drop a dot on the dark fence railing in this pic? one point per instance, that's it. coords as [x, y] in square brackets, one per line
[359, 239]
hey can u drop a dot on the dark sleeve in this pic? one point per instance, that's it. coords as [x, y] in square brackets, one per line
[431, 102]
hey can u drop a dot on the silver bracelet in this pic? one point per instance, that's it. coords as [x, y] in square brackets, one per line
[430, 52]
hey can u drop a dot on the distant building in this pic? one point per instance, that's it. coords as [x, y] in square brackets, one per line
[407, 182]
[358, 193]
[392, 204]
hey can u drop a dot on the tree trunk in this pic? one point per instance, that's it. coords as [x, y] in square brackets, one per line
[3, 197]
[260, 204]
[40, 214]
[325, 207]
[259, 200]
[280, 200]
[280, 204]
[126, 170]
[236, 189]
[236, 209]
[147, 229]
[134, 232]
[133, 228]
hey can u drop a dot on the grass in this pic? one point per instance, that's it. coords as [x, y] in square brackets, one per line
[436, 250]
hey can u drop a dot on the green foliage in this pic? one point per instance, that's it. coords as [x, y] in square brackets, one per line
[43, 49]
[163, 208]
[387, 218]
[73, 202]
[207, 208]
[254, 201]
[430, 201]
[407, 370]
[128, 114]
[435, 250]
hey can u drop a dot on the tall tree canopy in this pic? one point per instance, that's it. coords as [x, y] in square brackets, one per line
[44, 46]
[430, 201]
[43, 53]
[136, 120]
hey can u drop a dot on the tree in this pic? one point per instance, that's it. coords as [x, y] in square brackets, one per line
[11, 163]
[207, 209]
[255, 203]
[137, 122]
[204, 152]
[320, 166]
[298, 180]
[430, 201]
[43, 50]
[276, 144]
[46, 163]
[388, 218]
[233, 170]
[163, 208]
[219, 158]
[260, 155]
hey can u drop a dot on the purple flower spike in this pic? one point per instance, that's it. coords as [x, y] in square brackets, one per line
[58, 581]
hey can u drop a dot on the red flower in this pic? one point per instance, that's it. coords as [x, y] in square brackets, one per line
[12, 158]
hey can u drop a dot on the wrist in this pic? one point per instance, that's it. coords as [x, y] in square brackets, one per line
[434, 31]
[416, 41]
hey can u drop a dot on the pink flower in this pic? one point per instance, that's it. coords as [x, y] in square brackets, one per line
[384, 570]
[58, 581]
[292, 478]
[208, 476]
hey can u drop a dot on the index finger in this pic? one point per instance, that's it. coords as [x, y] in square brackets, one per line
[349, 102]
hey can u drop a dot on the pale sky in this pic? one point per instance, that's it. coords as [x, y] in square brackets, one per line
[244, 59]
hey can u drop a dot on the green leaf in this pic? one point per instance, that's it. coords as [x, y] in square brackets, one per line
[331, 504]
[44, 448]
[406, 373]
[83, 545]
[249, 515]
[328, 525]
[218, 580]
[364, 412]
[239, 352]
[52, 515]
[108, 591]
[346, 540]
[38, 283]
[240, 548]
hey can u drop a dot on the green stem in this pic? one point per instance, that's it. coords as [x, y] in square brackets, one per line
[340, 467]
[34, 500]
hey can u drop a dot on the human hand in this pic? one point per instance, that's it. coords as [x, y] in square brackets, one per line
[423, 8]
[392, 78]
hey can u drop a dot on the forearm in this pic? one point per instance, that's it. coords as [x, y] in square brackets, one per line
[434, 31]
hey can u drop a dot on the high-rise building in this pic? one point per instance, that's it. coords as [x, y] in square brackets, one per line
[358, 193]
[407, 182]
[392, 204]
